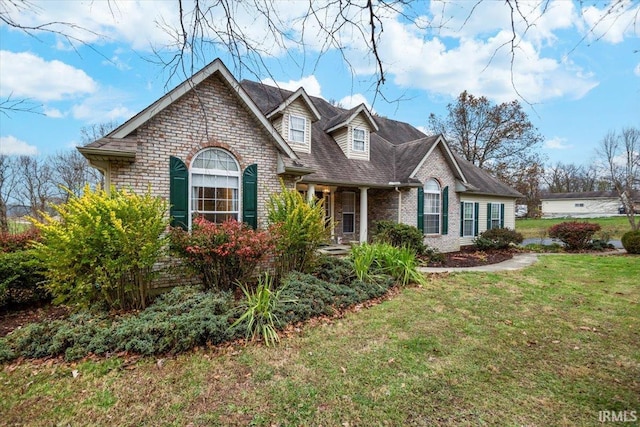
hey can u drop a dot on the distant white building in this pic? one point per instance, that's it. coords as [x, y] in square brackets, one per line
[589, 204]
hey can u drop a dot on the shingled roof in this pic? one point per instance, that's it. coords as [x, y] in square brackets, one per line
[397, 149]
[329, 163]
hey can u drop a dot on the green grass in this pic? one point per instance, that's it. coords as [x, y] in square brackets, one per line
[549, 345]
[537, 228]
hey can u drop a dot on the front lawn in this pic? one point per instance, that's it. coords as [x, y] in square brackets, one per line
[549, 345]
[615, 227]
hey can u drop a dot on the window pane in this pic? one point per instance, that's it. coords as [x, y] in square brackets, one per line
[359, 137]
[348, 222]
[432, 186]
[432, 224]
[297, 129]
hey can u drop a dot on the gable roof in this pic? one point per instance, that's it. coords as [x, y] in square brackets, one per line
[300, 93]
[110, 145]
[482, 182]
[344, 118]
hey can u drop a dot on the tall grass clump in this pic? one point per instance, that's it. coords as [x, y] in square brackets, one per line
[260, 306]
[399, 263]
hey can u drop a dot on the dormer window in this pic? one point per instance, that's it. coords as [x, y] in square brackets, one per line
[297, 128]
[359, 139]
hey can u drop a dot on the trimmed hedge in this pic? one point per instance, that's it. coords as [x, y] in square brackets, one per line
[21, 280]
[631, 242]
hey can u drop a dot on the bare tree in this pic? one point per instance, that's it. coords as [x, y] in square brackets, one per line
[620, 153]
[572, 178]
[207, 28]
[8, 183]
[95, 131]
[526, 177]
[70, 173]
[35, 186]
[487, 135]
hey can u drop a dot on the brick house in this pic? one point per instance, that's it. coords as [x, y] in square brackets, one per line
[217, 147]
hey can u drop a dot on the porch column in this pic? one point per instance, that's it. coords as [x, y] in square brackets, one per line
[311, 192]
[363, 214]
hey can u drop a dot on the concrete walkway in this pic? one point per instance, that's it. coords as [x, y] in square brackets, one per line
[518, 262]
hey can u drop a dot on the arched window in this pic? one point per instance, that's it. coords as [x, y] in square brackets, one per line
[432, 207]
[215, 183]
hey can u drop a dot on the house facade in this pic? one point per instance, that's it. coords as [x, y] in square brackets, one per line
[589, 204]
[217, 147]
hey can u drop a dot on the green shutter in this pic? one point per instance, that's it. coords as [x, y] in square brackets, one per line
[445, 210]
[488, 216]
[461, 219]
[250, 196]
[476, 218]
[501, 215]
[421, 209]
[178, 192]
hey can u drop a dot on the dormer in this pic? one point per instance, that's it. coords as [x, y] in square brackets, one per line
[352, 130]
[293, 118]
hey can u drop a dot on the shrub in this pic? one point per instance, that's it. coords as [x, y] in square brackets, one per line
[575, 235]
[497, 238]
[434, 255]
[399, 235]
[299, 228]
[175, 322]
[103, 247]
[334, 269]
[315, 297]
[21, 280]
[631, 241]
[10, 242]
[223, 253]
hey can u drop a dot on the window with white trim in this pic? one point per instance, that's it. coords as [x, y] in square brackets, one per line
[348, 212]
[468, 219]
[215, 184]
[432, 207]
[359, 139]
[495, 215]
[297, 129]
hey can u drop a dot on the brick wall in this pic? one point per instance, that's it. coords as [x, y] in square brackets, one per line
[436, 167]
[211, 116]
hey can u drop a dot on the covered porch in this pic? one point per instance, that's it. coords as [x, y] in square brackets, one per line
[353, 211]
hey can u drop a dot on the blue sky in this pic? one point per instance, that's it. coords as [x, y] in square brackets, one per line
[580, 73]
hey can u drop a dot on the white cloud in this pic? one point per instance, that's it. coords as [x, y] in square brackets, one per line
[10, 145]
[612, 23]
[479, 61]
[27, 75]
[53, 113]
[557, 143]
[309, 83]
[636, 70]
[354, 100]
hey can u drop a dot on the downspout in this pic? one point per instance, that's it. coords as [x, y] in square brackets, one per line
[399, 205]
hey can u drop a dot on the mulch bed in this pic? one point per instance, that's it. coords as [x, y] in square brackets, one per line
[472, 258]
[16, 319]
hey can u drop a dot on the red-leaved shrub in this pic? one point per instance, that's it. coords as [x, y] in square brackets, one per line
[223, 253]
[10, 242]
[575, 235]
